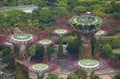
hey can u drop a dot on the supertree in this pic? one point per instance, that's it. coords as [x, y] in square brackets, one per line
[39, 69]
[60, 33]
[88, 66]
[45, 43]
[85, 26]
[21, 40]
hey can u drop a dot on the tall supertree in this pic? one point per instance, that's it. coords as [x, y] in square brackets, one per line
[45, 43]
[60, 33]
[85, 26]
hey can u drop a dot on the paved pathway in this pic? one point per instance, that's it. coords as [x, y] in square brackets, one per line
[104, 73]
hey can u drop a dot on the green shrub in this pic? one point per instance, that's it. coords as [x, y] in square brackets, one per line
[116, 29]
[53, 76]
[117, 76]
[115, 43]
[116, 55]
[1, 54]
[73, 76]
[20, 74]
[39, 52]
[79, 9]
[50, 51]
[80, 73]
[73, 46]
[107, 50]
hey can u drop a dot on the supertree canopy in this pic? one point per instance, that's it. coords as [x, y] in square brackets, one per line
[85, 22]
[22, 37]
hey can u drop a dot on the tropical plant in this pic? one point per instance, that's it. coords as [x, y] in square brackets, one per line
[53, 76]
[73, 46]
[117, 76]
[79, 9]
[107, 50]
[73, 76]
[80, 73]
[20, 74]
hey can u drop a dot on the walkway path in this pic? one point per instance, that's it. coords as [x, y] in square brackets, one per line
[105, 73]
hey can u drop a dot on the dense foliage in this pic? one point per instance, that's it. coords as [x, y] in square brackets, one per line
[38, 52]
[53, 76]
[117, 76]
[20, 74]
[21, 2]
[72, 76]
[73, 46]
[112, 40]
[107, 50]
[7, 56]
[41, 17]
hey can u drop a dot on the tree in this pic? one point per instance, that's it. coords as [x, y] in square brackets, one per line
[62, 2]
[98, 7]
[116, 15]
[39, 52]
[53, 1]
[115, 43]
[57, 11]
[50, 51]
[71, 4]
[45, 17]
[38, 2]
[79, 9]
[20, 74]
[31, 50]
[73, 46]
[115, 11]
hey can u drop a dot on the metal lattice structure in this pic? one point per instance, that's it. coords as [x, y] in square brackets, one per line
[21, 40]
[85, 26]
[88, 65]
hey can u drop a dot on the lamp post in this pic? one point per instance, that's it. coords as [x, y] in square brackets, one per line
[45, 43]
[88, 65]
[39, 69]
[60, 33]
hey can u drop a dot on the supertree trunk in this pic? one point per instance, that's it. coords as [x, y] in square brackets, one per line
[85, 46]
[86, 49]
[45, 56]
[60, 48]
[12, 56]
[96, 50]
[23, 52]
